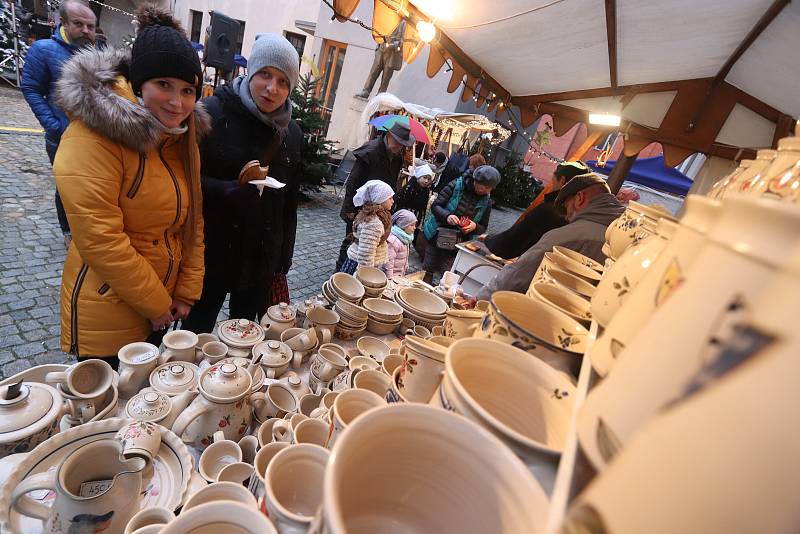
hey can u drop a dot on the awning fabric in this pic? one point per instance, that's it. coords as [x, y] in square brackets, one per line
[652, 173]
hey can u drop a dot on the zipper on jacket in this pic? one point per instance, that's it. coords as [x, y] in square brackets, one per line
[137, 181]
[73, 349]
[104, 289]
[177, 213]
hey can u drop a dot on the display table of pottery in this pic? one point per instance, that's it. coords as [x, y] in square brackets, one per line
[467, 259]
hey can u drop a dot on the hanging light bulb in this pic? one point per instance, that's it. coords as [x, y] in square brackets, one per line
[426, 30]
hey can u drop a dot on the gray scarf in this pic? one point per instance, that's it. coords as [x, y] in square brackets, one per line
[278, 119]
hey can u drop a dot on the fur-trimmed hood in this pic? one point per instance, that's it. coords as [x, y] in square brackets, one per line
[94, 89]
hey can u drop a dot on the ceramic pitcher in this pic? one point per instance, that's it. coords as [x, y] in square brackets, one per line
[96, 490]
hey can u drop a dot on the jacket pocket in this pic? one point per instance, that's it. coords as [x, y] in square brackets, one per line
[137, 181]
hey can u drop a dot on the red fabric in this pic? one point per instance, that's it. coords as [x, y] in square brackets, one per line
[280, 290]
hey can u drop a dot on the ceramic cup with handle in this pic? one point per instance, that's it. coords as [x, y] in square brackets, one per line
[220, 516]
[347, 406]
[136, 362]
[87, 379]
[327, 363]
[294, 481]
[322, 320]
[218, 455]
[237, 472]
[421, 370]
[262, 461]
[149, 517]
[95, 489]
[213, 352]
[140, 438]
[279, 401]
[311, 431]
[249, 446]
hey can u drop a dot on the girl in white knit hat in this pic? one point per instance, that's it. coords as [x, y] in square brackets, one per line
[371, 227]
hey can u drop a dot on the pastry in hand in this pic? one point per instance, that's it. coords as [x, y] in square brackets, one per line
[253, 171]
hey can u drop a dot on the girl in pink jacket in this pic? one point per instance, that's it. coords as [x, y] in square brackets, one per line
[399, 243]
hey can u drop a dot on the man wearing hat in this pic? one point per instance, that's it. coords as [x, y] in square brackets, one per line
[589, 207]
[378, 159]
[532, 225]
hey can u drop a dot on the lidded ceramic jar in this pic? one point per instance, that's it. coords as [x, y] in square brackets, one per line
[152, 406]
[275, 357]
[302, 309]
[240, 333]
[278, 318]
[29, 414]
[174, 378]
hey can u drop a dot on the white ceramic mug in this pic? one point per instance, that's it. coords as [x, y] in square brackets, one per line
[322, 320]
[147, 517]
[373, 380]
[347, 407]
[263, 458]
[214, 351]
[421, 370]
[217, 455]
[294, 481]
[87, 379]
[279, 401]
[140, 438]
[312, 431]
[136, 362]
[249, 446]
[326, 364]
[220, 491]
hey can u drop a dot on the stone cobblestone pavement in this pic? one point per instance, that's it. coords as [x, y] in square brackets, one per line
[32, 248]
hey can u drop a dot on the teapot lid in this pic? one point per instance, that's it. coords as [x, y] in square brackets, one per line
[150, 406]
[225, 382]
[281, 312]
[175, 377]
[240, 332]
[24, 408]
[257, 372]
[273, 353]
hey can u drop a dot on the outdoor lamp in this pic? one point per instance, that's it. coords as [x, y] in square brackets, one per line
[426, 30]
[604, 119]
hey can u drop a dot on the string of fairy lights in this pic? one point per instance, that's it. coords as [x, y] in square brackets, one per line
[54, 5]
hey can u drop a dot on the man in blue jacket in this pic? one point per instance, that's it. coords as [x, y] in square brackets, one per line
[43, 69]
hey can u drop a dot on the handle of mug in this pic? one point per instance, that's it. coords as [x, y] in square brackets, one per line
[187, 416]
[219, 436]
[270, 373]
[326, 336]
[88, 411]
[57, 377]
[282, 431]
[27, 506]
[297, 359]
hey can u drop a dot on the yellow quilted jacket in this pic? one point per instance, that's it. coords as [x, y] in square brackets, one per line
[132, 196]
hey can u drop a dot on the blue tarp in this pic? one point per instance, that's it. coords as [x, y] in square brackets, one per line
[652, 172]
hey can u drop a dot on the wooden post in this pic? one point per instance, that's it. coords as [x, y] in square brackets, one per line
[620, 171]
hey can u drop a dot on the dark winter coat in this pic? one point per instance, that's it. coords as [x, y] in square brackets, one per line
[456, 166]
[413, 198]
[373, 162]
[527, 232]
[248, 238]
[42, 70]
[467, 206]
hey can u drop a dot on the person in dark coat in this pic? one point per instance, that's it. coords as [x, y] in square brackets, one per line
[43, 65]
[530, 227]
[457, 166]
[467, 196]
[378, 159]
[249, 234]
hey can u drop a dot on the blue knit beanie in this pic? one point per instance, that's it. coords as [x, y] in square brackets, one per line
[273, 50]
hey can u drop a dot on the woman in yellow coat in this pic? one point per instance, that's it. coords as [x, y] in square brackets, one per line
[128, 171]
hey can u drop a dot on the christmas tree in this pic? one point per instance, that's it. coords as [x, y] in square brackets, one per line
[316, 148]
[517, 188]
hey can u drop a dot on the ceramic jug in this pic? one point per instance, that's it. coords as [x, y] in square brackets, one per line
[781, 179]
[96, 490]
[278, 318]
[224, 403]
[752, 175]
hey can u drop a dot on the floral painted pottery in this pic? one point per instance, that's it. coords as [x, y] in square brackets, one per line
[240, 333]
[665, 275]
[298, 388]
[628, 270]
[488, 487]
[461, 323]
[95, 488]
[140, 439]
[178, 380]
[781, 179]
[724, 185]
[752, 176]
[555, 276]
[635, 224]
[224, 403]
[521, 400]
[29, 414]
[136, 362]
[421, 370]
[656, 367]
[278, 318]
[580, 258]
[150, 406]
[535, 327]
[165, 485]
[253, 367]
[565, 301]
[275, 357]
[327, 363]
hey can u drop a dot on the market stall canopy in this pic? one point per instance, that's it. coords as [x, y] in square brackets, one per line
[714, 76]
[651, 172]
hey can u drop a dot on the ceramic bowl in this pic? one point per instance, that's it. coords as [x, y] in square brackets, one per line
[371, 277]
[572, 282]
[180, 340]
[353, 311]
[347, 286]
[363, 363]
[422, 303]
[565, 301]
[423, 321]
[372, 347]
[416, 451]
[572, 266]
[347, 334]
[383, 310]
[380, 328]
[580, 258]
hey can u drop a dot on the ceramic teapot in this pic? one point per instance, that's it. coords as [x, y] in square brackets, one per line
[241, 335]
[278, 318]
[253, 366]
[275, 357]
[29, 414]
[224, 403]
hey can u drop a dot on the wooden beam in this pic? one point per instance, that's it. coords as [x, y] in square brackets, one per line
[590, 141]
[657, 87]
[769, 15]
[611, 36]
[620, 171]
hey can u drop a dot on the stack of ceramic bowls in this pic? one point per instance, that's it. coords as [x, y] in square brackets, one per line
[343, 286]
[373, 280]
[422, 307]
[351, 316]
[384, 315]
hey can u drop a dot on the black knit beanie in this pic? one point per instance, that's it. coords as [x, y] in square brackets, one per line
[161, 49]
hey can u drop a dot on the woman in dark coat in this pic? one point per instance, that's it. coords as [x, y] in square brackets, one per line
[249, 234]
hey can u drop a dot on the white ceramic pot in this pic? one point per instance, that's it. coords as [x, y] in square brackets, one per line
[136, 362]
[275, 357]
[730, 272]
[415, 450]
[278, 318]
[750, 177]
[665, 275]
[421, 370]
[623, 276]
[29, 414]
[461, 323]
[638, 222]
[781, 179]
